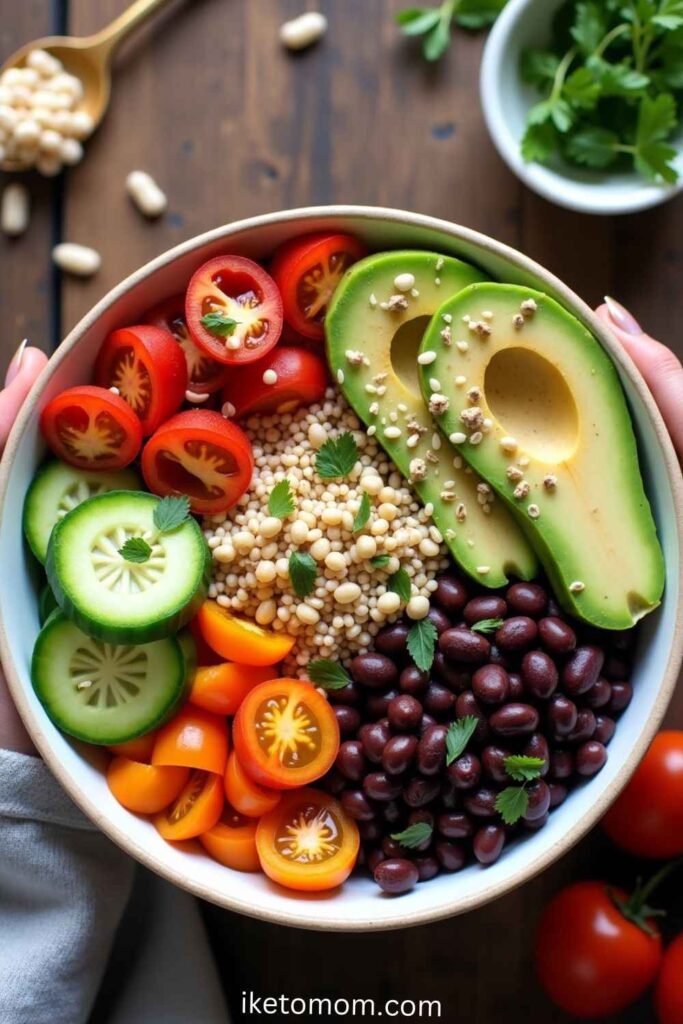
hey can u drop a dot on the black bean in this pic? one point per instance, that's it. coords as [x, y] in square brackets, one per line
[515, 686]
[527, 599]
[604, 729]
[370, 831]
[438, 700]
[377, 704]
[598, 696]
[537, 746]
[556, 636]
[451, 856]
[375, 670]
[439, 619]
[450, 594]
[456, 679]
[493, 763]
[486, 607]
[539, 800]
[467, 704]
[426, 723]
[490, 684]
[584, 728]
[404, 713]
[539, 674]
[481, 803]
[622, 693]
[374, 859]
[419, 792]
[562, 715]
[427, 867]
[488, 843]
[431, 750]
[465, 771]
[391, 640]
[351, 760]
[348, 719]
[558, 794]
[374, 737]
[392, 847]
[350, 694]
[357, 805]
[396, 876]
[412, 680]
[381, 786]
[398, 754]
[496, 657]
[461, 645]
[562, 764]
[536, 824]
[454, 825]
[590, 758]
[514, 720]
[582, 670]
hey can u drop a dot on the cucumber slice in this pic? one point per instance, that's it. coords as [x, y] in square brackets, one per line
[47, 602]
[57, 489]
[120, 601]
[189, 649]
[103, 693]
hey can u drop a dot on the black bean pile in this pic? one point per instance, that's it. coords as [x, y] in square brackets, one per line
[539, 686]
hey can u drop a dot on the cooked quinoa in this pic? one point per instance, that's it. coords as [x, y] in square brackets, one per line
[350, 601]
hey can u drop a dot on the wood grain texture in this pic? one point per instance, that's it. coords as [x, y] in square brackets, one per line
[230, 126]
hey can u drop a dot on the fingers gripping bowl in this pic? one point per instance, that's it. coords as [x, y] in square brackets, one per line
[80, 769]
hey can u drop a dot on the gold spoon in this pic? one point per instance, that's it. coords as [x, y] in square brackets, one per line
[88, 58]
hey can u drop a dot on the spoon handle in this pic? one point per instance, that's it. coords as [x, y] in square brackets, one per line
[109, 38]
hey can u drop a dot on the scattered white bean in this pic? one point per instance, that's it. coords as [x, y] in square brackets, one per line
[303, 31]
[80, 260]
[146, 194]
[15, 212]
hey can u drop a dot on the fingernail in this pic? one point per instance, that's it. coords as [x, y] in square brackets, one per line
[15, 365]
[621, 317]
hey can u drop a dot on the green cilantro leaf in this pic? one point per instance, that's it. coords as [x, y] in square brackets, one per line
[303, 570]
[281, 501]
[656, 121]
[416, 21]
[539, 142]
[421, 643]
[478, 14]
[581, 89]
[414, 836]
[593, 147]
[219, 324]
[363, 513]
[486, 626]
[512, 804]
[434, 23]
[589, 28]
[521, 768]
[170, 513]
[539, 67]
[328, 674]
[136, 550]
[459, 734]
[399, 583]
[380, 561]
[438, 40]
[337, 457]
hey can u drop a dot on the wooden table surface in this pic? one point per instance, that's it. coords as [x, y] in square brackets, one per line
[231, 125]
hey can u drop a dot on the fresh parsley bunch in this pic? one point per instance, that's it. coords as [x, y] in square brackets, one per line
[433, 24]
[609, 82]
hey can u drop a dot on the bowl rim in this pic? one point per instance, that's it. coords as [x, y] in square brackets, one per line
[592, 198]
[533, 866]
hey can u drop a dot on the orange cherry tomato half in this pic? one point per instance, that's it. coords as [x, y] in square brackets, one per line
[200, 454]
[139, 749]
[240, 639]
[147, 366]
[205, 656]
[245, 795]
[233, 310]
[285, 734]
[91, 428]
[300, 379]
[222, 688]
[308, 842]
[232, 841]
[204, 374]
[196, 810]
[669, 988]
[144, 788]
[194, 738]
[307, 271]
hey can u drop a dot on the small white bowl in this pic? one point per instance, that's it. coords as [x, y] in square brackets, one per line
[506, 99]
[358, 906]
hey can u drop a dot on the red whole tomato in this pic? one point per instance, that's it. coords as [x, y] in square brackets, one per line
[148, 368]
[285, 379]
[307, 271]
[647, 818]
[91, 428]
[233, 310]
[205, 375]
[202, 455]
[669, 991]
[591, 959]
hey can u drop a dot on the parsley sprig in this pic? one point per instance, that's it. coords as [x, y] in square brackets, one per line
[512, 803]
[169, 513]
[219, 324]
[337, 457]
[433, 24]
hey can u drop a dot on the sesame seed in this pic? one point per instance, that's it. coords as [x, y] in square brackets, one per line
[228, 410]
[483, 569]
[477, 437]
[523, 460]
[508, 444]
[233, 343]
[270, 377]
[114, 391]
[370, 389]
[534, 511]
[577, 586]
[415, 293]
[413, 441]
[429, 509]
[374, 408]
[447, 318]
[404, 282]
[460, 381]
[434, 384]
[437, 281]
[487, 315]
[84, 684]
[392, 433]
[457, 438]
[436, 441]
[425, 358]
[462, 346]
[371, 431]
[439, 263]
[196, 398]
[340, 376]
[373, 300]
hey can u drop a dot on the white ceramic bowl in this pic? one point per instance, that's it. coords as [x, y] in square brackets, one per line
[359, 905]
[506, 100]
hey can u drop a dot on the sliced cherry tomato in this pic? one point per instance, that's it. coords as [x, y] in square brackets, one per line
[222, 688]
[149, 370]
[139, 749]
[647, 818]
[91, 428]
[145, 788]
[591, 960]
[194, 738]
[308, 842]
[195, 811]
[240, 639]
[300, 379]
[204, 374]
[307, 271]
[245, 795]
[232, 841]
[202, 455]
[233, 310]
[669, 991]
[285, 734]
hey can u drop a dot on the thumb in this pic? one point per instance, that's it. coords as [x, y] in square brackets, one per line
[659, 366]
[22, 372]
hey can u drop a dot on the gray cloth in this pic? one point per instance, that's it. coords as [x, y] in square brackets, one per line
[67, 900]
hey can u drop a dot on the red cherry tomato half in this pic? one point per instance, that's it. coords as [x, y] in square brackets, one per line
[307, 271]
[300, 379]
[590, 959]
[233, 310]
[201, 454]
[205, 375]
[669, 991]
[647, 818]
[148, 368]
[91, 428]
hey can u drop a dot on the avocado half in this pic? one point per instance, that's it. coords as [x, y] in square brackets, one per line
[537, 409]
[374, 328]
